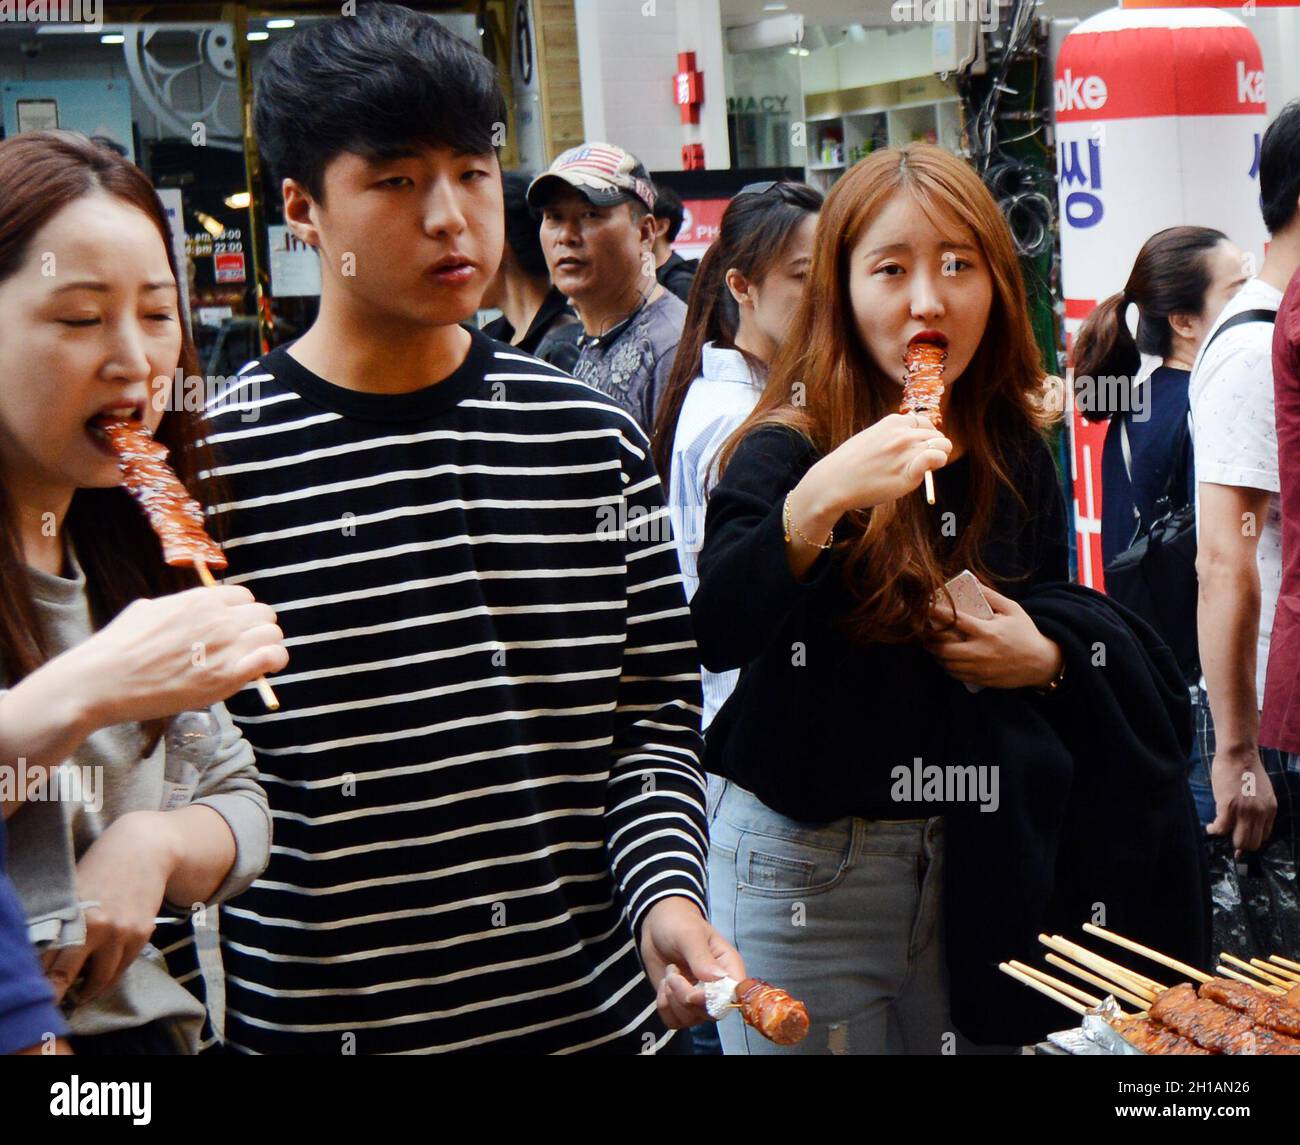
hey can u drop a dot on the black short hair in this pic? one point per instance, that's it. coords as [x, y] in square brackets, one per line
[523, 225]
[669, 206]
[373, 84]
[1279, 169]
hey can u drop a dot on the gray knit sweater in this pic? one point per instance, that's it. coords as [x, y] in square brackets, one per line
[203, 759]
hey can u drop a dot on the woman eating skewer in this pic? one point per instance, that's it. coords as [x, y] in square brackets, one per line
[111, 666]
[907, 789]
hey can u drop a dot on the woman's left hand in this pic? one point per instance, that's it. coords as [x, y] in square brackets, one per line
[122, 878]
[1005, 652]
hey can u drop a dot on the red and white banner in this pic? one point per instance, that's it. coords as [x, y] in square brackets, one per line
[1159, 115]
[703, 218]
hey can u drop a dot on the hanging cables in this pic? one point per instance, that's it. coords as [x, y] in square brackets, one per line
[1025, 190]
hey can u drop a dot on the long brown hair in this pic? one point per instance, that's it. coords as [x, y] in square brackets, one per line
[752, 237]
[825, 385]
[1171, 274]
[40, 174]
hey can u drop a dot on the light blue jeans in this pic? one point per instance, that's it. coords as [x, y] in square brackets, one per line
[846, 916]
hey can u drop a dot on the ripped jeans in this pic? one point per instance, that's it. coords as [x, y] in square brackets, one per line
[846, 916]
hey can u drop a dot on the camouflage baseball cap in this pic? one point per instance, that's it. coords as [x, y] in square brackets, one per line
[603, 172]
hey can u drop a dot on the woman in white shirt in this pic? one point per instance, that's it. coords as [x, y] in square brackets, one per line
[745, 293]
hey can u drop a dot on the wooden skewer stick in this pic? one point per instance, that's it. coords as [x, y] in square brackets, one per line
[929, 486]
[1289, 975]
[1034, 984]
[1147, 952]
[1229, 972]
[1112, 970]
[1271, 979]
[1284, 961]
[1088, 976]
[1226, 971]
[263, 688]
[1057, 984]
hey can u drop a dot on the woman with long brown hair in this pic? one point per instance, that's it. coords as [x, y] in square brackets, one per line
[157, 808]
[823, 576]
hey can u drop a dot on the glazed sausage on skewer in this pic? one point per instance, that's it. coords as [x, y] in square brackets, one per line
[923, 390]
[174, 515]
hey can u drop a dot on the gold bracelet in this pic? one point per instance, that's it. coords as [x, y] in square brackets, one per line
[1053, 684]
[790, 527]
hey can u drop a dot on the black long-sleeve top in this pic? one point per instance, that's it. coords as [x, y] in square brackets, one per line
[817, 723]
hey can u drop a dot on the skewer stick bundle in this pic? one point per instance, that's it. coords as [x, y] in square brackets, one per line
[1049, 991]
[1146, 951]
[1088, 976]
[1134, 983]
[1250, 968]
[1056, 983]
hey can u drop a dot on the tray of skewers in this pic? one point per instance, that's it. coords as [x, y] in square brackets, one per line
[1247, 1007]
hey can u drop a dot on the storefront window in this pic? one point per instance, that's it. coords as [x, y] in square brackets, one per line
[764, 105]
[833, 97]
[168, 95]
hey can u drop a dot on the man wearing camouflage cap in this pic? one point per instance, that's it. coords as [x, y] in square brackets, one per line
[597, 231]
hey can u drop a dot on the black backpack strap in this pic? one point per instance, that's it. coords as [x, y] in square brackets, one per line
[1245, 316]
[1261, 314]
[1176, 485]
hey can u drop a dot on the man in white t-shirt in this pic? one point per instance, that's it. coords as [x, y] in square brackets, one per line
[1239, 558]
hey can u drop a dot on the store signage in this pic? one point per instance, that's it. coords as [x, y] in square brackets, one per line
[701, 222]
[229, 266]
[295, 266]
[753, 104]
[688, 87]
[198, 244]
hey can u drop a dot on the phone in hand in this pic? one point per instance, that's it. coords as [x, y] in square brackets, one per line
[968, 597]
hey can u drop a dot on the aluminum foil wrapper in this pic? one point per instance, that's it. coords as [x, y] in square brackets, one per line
[718, 996]
[1096, 1037]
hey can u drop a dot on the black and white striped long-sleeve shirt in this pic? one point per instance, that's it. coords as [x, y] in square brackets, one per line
[485, 768]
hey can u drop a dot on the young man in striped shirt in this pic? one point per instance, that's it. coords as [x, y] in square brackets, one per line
[489, 831]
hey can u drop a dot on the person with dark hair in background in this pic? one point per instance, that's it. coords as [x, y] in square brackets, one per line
[674, 272]
[1181, 279]
[485, 773]
[598, 233]
[535, 316]
[747, 291]
[1256, 787]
